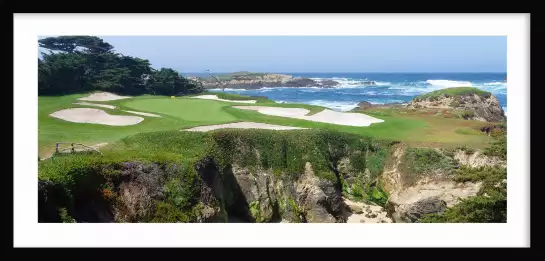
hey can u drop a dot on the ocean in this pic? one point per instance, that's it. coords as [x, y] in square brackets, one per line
[390, 87]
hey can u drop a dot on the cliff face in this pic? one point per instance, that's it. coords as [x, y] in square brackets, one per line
[423, 181]
[259, 80]
[471, 104]
[247, 176]
[263, 176]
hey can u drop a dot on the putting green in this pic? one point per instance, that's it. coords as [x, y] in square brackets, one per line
[186, 109]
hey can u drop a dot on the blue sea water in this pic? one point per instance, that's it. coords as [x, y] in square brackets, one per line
[390, 87]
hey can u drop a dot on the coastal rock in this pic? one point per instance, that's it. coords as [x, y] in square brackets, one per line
[408, 204]
[319, 200]
[246, 80]
[416, 210]
[472, 104]
[365, 105]
[328, 83]
[477, 159]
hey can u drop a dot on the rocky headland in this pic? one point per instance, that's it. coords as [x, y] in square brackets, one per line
[247, 80]
[469, 103]
[472, 103]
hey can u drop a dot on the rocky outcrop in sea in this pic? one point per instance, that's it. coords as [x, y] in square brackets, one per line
[260, 80]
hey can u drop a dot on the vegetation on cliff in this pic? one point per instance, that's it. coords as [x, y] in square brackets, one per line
[468, 102]
[166, 163]
[490, 204]
[453, 92]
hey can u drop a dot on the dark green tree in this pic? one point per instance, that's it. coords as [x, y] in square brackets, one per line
[70, 44]
[78, 64]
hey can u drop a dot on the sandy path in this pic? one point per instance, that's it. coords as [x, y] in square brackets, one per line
[94, 104]
[95, 116]
[144, 113]
[103, 96]
[214, 97]
[325, 116]
[243, 125]
[365, 213]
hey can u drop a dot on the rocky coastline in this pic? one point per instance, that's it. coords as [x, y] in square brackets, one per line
[245, 80]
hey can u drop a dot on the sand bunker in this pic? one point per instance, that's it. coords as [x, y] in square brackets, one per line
[144, 113]
[95, 116]
[243, 125]
[325, 116]
[103, 96]
[214, 97]
[97, 105]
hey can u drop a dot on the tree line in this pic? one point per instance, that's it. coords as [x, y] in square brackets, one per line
[76, 64]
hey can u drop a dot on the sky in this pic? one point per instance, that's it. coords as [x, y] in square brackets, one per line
[194, 54]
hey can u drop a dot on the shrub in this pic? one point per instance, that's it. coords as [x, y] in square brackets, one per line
[377, 195]
[65, 217]
[498, 148]
[418, 162]
[467, 115]
[167, 213]
[490, 204]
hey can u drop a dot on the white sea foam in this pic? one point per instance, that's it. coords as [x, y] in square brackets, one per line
[495, 83]
[440, 84]
[334, 105]
[383, 83]
[226, 89]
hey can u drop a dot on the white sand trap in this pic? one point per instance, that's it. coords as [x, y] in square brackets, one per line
[95, 116]
[94, 104]
[144, 113]
[325, 116]
[103, 96]
[243, 125]
[214, 97]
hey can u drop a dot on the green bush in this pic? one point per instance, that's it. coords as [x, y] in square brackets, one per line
[490, 204]
[167, 213]
[418, 162]
[377, 195]
[498, 148]
[468, 150]
[467, 115]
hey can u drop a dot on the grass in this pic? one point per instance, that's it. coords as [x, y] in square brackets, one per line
[192, 110]
[51, 130]
[416, 128]
[238, 97]
[468, 131]
[452, 92]
[427, 128]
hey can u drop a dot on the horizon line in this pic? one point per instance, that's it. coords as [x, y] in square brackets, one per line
[338, 72]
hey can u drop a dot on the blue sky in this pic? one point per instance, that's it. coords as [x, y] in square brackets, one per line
[190, 54]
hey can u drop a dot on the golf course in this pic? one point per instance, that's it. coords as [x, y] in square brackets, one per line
[120, 141]
[418, 128]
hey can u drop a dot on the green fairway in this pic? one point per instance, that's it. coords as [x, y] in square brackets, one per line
[414, 128]
[187, 109]
[51, 130]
